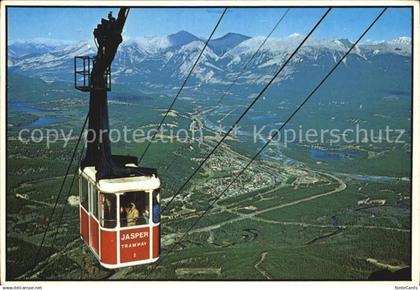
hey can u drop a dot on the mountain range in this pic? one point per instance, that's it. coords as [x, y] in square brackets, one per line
[160, 63]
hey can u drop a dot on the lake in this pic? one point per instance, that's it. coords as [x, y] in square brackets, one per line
[45, 121]
[331, 155]
[23, 107]
[28, 108]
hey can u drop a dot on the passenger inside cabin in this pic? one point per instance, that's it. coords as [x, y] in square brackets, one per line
[134, 209]
[109, 218]
[145, 216]
[156, 208]
[132, 214]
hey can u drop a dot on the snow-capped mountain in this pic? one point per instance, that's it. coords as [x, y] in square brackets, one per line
[21, 48]
[400, 46]
[223, 44]
[156, 63]
[181, 38]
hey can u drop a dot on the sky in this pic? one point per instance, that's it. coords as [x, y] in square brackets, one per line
[77, 24]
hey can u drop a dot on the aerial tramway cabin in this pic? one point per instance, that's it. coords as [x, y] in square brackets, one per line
[119, 218]
[119, 201]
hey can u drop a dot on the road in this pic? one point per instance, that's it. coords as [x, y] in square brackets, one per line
[243, 216]
[257, 266]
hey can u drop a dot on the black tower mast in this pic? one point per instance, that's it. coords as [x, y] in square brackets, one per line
[98, 82]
